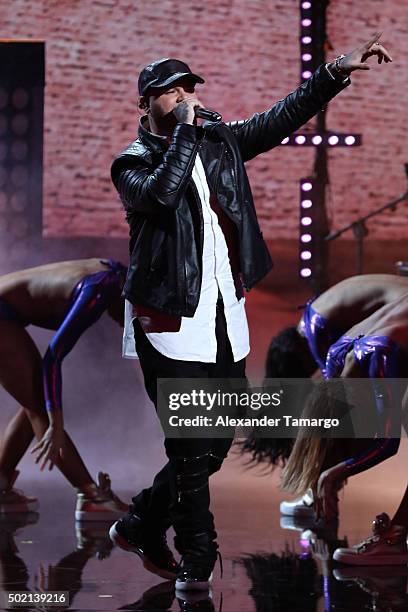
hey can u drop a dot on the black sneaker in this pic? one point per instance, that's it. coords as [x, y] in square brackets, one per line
[198, 560]
[130, 534]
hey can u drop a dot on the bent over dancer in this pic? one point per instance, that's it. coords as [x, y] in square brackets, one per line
[67, 297]
[376, 348]
[298, 351]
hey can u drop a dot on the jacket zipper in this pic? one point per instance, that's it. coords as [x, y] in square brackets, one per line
[199, 145]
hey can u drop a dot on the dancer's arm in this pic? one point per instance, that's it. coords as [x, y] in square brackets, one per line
[90, 304]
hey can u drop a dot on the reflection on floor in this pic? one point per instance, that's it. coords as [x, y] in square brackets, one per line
[268, 564]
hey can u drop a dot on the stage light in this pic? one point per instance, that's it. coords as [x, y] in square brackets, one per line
[285, 140]
[19, 124]
[20, 227]
[19, 98]
[306, 74]
[21, 146]
[306, 203]
[349, 140]
[19, 175]
[306, 57]
[333, 140]
[306, 238]
[306, 40]
[305, 255]
[305, 272]
[19, 201]
[19, 149]
[306, 221]
[300, 139]
[306, 23]
[306, 5]
[307, 186]
[317, 139]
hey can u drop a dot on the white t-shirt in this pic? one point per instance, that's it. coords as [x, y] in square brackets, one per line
[196, 340]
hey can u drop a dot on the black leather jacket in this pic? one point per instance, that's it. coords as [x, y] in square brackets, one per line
[163, 208]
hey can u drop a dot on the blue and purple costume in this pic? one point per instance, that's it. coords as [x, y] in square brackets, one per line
[379, 358]
[320, 335]
[89, 300]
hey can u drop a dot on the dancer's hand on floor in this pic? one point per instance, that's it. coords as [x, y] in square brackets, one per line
[49, 447]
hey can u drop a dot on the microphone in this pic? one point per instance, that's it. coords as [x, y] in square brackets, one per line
[207, 115]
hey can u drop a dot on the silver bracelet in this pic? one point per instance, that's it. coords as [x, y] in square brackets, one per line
[338, 67]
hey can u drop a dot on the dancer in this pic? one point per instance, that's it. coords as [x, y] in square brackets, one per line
[376, 348]
[298, 351]
[67, 297]
[193, 231]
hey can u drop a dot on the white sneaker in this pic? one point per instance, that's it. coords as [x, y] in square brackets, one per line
[106, 506]
[301, 507]
[14, 501]
[387, 546]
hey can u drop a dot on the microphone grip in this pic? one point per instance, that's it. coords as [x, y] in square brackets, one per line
[207, 115]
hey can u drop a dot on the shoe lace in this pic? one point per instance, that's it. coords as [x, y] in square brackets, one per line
[381, 523]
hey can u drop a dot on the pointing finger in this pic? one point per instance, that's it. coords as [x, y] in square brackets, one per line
[372, 40]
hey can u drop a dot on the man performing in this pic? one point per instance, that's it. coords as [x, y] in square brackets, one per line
[194, 236]
[67, 297]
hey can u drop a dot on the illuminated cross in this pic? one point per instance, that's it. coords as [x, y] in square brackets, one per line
[314, 226]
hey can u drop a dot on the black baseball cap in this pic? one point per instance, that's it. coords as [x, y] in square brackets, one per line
[164, 71]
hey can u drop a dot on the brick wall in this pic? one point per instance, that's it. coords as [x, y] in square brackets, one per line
[248, 52]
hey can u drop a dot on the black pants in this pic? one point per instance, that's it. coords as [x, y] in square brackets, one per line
[180, 494]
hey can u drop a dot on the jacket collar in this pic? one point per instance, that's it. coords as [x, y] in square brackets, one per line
[156, 143]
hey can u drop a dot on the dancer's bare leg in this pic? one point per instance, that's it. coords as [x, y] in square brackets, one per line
[21, 377]
[17, 437]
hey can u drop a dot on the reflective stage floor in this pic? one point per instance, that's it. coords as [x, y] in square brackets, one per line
[267, 567]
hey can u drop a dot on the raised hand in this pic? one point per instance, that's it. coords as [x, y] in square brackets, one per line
[355, 60]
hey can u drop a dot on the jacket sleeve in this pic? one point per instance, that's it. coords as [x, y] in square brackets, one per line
[146, 190]
[266, 130]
